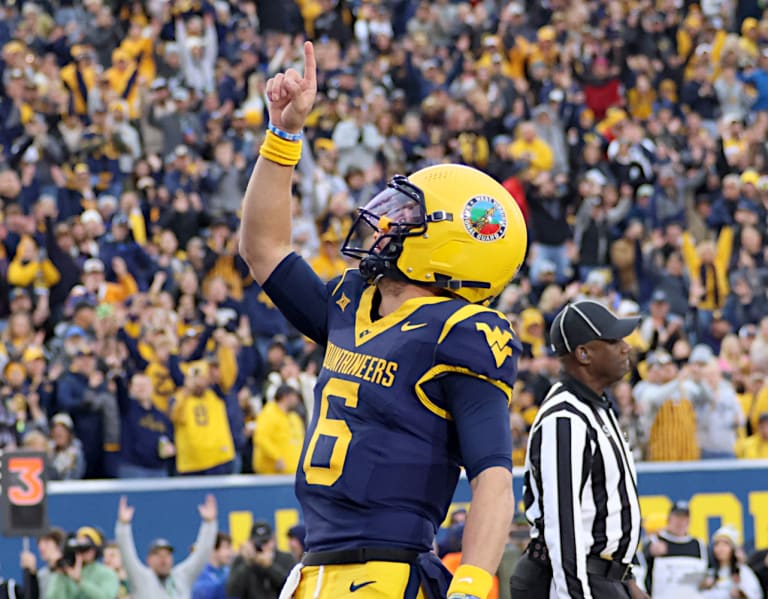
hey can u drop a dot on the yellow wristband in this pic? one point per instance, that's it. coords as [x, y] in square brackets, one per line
[471, 580]
[280, 151]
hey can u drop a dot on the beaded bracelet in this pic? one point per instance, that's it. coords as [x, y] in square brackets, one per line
[284, 134]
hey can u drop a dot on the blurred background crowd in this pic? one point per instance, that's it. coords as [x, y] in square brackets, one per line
[133, 341]
[670, 562]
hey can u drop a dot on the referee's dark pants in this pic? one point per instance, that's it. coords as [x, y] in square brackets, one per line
[532, 580]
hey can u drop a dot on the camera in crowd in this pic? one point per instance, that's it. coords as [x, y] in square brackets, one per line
[72, 546]
[83, 540]
[261, 534]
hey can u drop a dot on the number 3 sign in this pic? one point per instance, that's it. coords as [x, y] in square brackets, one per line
[24, 507]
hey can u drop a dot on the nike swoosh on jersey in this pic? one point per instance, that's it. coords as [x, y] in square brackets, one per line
[467, 580]
[407, 326]
[354, 587]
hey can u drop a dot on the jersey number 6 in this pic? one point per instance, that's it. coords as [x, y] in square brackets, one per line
[331, 427]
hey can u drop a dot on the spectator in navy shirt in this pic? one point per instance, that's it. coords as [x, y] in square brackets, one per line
[724, 207]
[119, 243]
[146, 432]
[699, 94]
[212, 582]
[83, 394]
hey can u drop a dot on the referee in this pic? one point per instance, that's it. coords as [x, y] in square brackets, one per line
[580, 487]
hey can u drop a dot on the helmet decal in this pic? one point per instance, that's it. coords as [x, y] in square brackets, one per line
[484, 218]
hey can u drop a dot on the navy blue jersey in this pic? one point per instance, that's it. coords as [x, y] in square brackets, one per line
[381, 458]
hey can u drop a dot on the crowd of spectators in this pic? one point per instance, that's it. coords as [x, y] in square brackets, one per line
[84, 563]
[671, 563]
[134, 343]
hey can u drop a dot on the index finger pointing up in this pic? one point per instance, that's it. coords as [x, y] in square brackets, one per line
[310, 67]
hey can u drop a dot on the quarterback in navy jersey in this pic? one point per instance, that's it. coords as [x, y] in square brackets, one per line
[417, 374]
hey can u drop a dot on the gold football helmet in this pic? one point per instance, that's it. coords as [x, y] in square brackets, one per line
[448, 226]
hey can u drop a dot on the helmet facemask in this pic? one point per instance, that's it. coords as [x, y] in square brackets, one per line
[377, 235]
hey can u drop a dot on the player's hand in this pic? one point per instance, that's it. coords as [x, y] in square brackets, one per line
[292, 96]
[125, 511]
[208, 510]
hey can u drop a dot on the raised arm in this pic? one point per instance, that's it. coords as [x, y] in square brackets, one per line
[190, 568]
[136, 570]
[265, 231]
[211, 38]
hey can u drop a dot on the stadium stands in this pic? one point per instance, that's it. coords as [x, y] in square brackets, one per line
[632, 134]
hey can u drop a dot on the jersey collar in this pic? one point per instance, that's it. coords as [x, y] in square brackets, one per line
[366, 328]
[583, 392]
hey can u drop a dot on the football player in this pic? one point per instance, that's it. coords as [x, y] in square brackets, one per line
[417, 373]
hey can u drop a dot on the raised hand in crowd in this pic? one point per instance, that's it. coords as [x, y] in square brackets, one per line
[208, 510]
[124, 511]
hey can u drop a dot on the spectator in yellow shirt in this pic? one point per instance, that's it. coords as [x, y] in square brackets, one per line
[708, 267]
[123, 78]
[279, 434]
[546, 48]
[328, 263]
[750, 36]
[532, 150]
[139, 45]
[79, 76]
[641, 98]
[755, 447]
[29, 267]
[755, 399]
[203, 435]
[532, 333]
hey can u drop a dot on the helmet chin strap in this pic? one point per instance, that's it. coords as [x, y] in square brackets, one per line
[375, 266]
[384, 263]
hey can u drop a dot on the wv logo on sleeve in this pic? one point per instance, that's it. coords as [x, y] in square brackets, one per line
[497, 340]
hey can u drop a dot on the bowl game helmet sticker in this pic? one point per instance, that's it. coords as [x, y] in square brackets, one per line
[484, 218]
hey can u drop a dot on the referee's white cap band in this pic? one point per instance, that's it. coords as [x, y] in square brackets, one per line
[562, 328]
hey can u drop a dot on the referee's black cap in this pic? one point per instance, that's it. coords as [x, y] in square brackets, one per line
[586, 320]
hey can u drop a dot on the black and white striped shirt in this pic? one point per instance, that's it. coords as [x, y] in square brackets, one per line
[580, 486]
